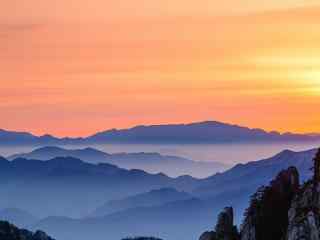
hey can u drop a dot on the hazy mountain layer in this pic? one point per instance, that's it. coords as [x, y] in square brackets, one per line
[70, 187]
[150, 162]
[185, 219]
[150, 199]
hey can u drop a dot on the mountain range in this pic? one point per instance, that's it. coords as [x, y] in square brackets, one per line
[63, 186]
[150, 162]
[187, 218]
[202, 132]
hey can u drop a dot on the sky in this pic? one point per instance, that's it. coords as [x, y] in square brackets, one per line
[75, 67]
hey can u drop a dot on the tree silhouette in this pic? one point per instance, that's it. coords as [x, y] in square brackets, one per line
[269, 206]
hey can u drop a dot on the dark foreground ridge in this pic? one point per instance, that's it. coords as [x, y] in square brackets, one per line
[284, 210]
[11, 232]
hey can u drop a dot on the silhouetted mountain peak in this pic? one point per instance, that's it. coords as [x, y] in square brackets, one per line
[286, 152]
[186, 178]
[47, 138]
[206, 131]
[161, 174]
[90, 149]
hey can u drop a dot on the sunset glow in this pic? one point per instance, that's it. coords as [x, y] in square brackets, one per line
[69, 68]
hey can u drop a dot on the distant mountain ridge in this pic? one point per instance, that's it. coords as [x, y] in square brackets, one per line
[151, 162]
[25, 138]
[135, 217]
[201, 132]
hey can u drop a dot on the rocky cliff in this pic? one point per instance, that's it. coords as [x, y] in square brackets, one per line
[284, 210]
[304, 215]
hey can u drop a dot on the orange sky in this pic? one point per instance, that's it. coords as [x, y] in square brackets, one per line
[70, 68]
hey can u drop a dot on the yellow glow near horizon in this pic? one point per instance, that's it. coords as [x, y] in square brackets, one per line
[312, 77]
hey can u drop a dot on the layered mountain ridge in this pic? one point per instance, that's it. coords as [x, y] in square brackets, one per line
[151, 162]
[70, 187]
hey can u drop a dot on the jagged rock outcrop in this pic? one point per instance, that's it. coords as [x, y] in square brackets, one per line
[11, 232]
[267, 216]
[304, 217]
[224, 230]
[304, 214]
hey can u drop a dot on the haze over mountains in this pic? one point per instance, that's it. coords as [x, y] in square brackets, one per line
[64, 187]
[150, 162]
[69, 186]
[153, 198]
[202, 132]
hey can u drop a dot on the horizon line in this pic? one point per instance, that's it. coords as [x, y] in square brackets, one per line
[163, 124]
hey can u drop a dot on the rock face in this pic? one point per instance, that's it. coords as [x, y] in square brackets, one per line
[304, 217]
[224, 230]
[10, 232]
